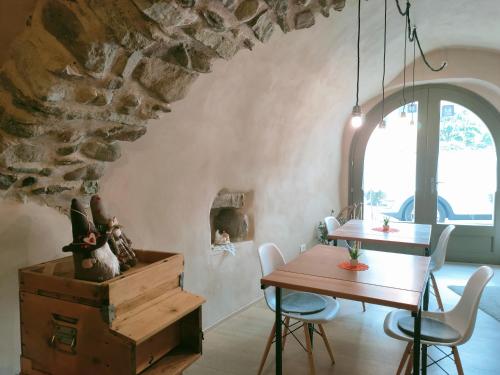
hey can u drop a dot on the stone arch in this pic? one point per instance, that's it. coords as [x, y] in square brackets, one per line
[86, 75]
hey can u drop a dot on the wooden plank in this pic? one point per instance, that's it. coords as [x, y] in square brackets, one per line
[97, 350]
[128, 287]
[173, 363]
[392, 297]
[408, 234]
[150, 256]
[69, 289]
[386, 269]
[154, 348]
[124, 315]
[143, 301]
[165, 311]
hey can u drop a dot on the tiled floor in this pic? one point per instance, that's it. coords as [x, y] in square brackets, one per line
[359, 343]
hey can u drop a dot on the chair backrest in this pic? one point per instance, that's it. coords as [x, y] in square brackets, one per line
[463, 315]
[354, 211]
[271, 258]
[331, 224]
[439, 253]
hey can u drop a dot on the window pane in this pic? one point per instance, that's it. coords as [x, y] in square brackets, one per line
[466, 181]
[389, 167]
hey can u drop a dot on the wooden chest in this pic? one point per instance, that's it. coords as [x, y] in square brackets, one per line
[141, 322]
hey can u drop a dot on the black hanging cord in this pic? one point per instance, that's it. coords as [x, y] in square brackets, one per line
[413, 36]
[404, 73]
[413, 86]
[407, 10]
[413, 78]
[359, 34]
[383, 66]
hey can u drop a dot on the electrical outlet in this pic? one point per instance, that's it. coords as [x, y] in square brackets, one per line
[302, 247]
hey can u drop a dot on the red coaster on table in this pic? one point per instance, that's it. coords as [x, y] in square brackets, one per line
[347, 266]
[391, 230]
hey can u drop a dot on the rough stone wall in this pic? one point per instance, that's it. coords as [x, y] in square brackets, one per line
[86, 75]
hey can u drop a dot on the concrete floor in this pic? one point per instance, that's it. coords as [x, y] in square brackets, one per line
[360, 345]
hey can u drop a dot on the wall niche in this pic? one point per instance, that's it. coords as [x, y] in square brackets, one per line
[231, 213]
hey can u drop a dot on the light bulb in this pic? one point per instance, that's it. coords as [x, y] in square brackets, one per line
[382, 125]
[356, 121]
[357, 117]
[403, 114]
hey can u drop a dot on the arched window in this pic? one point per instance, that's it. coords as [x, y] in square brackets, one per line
[433, 162]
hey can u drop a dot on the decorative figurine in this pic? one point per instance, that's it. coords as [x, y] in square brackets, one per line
[118, 241]
[93, 259]
[221, 238]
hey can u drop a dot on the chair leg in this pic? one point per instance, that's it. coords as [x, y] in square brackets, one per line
[312, 370]
[406, 354]
[285, 330]
[458, 362]
[436, 292]
[266, 351]
[327, 344]
[409, 367]
[364, 307]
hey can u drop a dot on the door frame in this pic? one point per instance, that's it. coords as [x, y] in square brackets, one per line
[428, 97]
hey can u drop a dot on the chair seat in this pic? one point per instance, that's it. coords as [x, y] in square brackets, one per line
[303, 303]
[324, 316]
[399, 324]
[430, 329]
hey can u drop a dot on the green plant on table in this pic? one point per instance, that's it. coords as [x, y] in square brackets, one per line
[386, 221]
[355, 251]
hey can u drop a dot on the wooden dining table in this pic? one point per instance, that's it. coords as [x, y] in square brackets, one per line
[392, 279]
[409, 235]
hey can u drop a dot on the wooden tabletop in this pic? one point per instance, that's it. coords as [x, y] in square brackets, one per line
[408, 234]
[395, 280]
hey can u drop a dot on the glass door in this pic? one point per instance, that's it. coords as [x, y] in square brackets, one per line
[466, 173]
[390, 167]
[439, 169]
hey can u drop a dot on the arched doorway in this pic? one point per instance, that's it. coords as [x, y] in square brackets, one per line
[437, 165]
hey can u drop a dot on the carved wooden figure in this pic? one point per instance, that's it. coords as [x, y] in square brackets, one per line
[119, 243]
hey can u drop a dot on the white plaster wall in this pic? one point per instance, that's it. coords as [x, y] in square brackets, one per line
[271, 121]
[264, 121]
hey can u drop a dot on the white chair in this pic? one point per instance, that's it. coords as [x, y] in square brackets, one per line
[331, 225]
[270, 259]
[451, 328]
[437, 260]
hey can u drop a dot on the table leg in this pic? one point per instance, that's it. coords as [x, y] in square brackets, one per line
[416, 345]
[426, 296]
[278, 332]
[424, 347]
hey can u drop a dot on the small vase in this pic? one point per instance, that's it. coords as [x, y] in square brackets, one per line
[354, 262]
[385, 228]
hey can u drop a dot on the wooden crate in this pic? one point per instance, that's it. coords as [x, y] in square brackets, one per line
[141, 322]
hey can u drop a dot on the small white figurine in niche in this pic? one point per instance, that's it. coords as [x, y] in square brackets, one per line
[221, 238]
